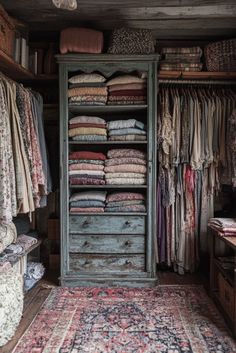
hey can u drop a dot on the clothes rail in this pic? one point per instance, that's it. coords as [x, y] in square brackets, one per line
[198, 82]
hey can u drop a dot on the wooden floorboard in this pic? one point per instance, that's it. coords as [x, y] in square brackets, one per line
[35, 298]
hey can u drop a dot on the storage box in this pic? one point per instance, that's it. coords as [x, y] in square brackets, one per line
[7, 32]
[226, 292]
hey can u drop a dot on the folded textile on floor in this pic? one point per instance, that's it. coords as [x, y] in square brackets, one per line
[88, 201]
[34, 273]
[125, 202]
[225, 226]
[183, 59]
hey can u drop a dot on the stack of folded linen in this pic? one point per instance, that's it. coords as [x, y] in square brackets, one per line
[126, 130]
[125, 166]
[127, 89]
[125, 202]
[88, 201]
[87, 128]
[87, 89]
[86, 168]
[181, 59]
[224, 226]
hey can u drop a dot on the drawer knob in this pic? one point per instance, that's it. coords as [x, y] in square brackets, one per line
[127, 262]
[87, 262]
[127, 223]
[128, 243]
[86, 223]
[86, 243]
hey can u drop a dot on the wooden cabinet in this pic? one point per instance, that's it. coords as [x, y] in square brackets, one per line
[106, 249]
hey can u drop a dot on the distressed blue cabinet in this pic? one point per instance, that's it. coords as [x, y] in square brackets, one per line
[106, 249]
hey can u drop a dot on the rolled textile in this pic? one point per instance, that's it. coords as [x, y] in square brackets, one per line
[87, 91]
[89, 209]
[126, 131]
[122, 196]
[89, 195]
[128, 138]
[73, 126]
[87, 119]
[120, 161]
[86, 181]
[89, 161]
[126, 152]
[89, 138]
[87, 203]
[131, 208]
[87, 131]
[85, 166]
[128, 86]
[135, 168]
[125, 175]
[126, 181]
[122, 124]
[87, 155]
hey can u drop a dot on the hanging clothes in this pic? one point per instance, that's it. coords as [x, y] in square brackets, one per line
[196, 152]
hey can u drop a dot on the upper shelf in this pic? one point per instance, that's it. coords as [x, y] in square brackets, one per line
[201, 75]
[12, 69]
[105, 108]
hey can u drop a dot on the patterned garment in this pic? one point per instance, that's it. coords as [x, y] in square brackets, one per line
[127, 102]
[96, 173]
[73, 126]
[88, 100]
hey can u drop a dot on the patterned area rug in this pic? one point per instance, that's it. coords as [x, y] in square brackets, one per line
[167, 319]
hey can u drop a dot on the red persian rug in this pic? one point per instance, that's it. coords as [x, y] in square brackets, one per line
[167, 319]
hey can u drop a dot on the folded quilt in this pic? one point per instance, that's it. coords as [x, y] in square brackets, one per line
[85, 166]
[124, 203]
[128, 92]
[87, 131]
[84, 103]
[8, 235]
[73, 126]
[127, 102]
[224, 224]
[180, 66]
[88, 99]
[89, 138]
[125, 79]
[182, 50]
[89, 209]
[127, 86]
[127, 131]
[119, 161]
[87, 203]
[126, 181]
[86, 181]
[87, 119]
[131, 208]
[127, 98]
[87, 155]
[89, 195]
[87, 91]
[135, 168]
[168, 68]
[125, 175]
[122, 124]
[88, 161]
[87, 78]
[128, 138]
[123, 196]
[96, 173]
[87, 176]
[126, 152]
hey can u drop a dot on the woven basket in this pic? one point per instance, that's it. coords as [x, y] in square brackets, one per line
[221, 56]
[7, 32]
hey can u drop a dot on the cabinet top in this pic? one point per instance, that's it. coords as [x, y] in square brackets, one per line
[75, 58]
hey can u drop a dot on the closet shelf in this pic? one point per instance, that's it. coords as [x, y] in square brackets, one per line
[107, 186]
[12, 69]
[107, 142]
[105, 108]
[27, 252]
[201, 75]
[109, 214]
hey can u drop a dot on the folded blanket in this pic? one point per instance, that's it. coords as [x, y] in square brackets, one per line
[124, 79]
[87, 155]
[88, 161]
[125, 175]
[87, 203]
[86, 181]
[8, 235]
[128, 131]
[127, 102]
[127, 86]
[89, 195]
[125, 203]
[122, 196]
[131, 208]
[127, 98]
[128, 92]
[87, 119]
[126, 181]
[87, 210]
[85, 166]
[84, 91]
[87, 176]
[90, 138]
[84, 103]
[119, 161]
[126, 152]
[182, 50]
[135, 168]
[73, 126]
[122, 124]
[87, 131]
[128, 138]
[96, 173]
[88, 99]
[181, 66]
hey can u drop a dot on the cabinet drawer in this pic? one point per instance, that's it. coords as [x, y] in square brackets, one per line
[106, 263]
[226, 292]
[107, 224]
[107, 244]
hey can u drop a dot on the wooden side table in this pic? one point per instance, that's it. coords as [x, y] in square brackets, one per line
[223, 277]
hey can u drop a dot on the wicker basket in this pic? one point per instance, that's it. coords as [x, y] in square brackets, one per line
[7, 32]
[221, 56]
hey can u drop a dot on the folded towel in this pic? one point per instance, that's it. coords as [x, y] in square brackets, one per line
[123, 196]
[135, 168]
[87, 155]
[121, 124]
[126, 152]
[129, 101]
[87, 119]
[87, 176]
[89, 195]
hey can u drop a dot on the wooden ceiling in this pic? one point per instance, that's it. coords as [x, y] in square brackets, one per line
[168, 19]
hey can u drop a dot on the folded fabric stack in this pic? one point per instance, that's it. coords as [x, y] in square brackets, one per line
[225, 226]
[125, 202]
[87, 89]
[21, 245]
[181, 59]
[125, 166]
[86, 168]
[34, 272]
[88, 201]
[87, 128]
[127, 89]
[126, 130]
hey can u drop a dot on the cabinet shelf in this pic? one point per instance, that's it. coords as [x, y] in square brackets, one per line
[34, 246]
[201, 75]
[73, 108]
[107, 186]
[108, 214]
[12, 69]
[107, 142]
